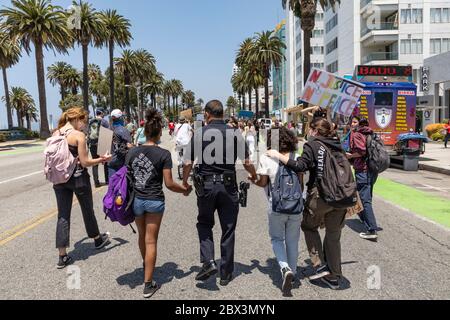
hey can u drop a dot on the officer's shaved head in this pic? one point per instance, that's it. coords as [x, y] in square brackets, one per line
[214, 108]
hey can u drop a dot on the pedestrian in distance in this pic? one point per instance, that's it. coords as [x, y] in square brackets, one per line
[283, 189]
[121, 143]
[71, 125]
[365, 178]
[322, 147]
[150, 166]
[140, 134]
[447, 136]
[217, 190]
[93, 135]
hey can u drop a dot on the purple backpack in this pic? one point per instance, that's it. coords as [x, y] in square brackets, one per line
[117, 203]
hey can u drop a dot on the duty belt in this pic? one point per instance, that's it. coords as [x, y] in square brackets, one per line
[226, 178]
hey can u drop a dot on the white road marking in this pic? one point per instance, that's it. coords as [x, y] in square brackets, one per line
[21, 177]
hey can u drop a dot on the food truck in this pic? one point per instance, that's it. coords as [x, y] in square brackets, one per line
[389, 103]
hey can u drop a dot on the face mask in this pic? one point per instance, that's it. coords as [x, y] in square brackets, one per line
[158, 142]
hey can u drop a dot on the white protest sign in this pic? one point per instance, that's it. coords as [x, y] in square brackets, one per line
[105, 138]
[331, 92]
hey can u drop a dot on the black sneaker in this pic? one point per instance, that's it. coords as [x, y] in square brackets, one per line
[288, 279]
[333, 284]
[321, 272]
[102, 241]
[371, 235]
[150, 289]
[225, 280]
[64, 261]
[209, 269]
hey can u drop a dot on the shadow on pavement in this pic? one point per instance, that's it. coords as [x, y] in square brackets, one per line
[344, 284]
[84, 249]
[162, 275]
[356, 225]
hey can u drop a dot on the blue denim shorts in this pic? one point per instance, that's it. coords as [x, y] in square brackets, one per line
[143, 206]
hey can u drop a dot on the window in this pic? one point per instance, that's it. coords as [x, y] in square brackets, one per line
[446, 45]
[332, 23]
[298, 39]
[317, 33]
[332, 45]
[319, 16]
[411, 16]
[440, 15]
[414, 46]
[299, 54]
[384, 98]
[435, 46]
[317, 65]
[333, 67]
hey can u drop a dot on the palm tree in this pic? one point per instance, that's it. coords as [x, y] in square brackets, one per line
[177, 91]
[72, 80]
[200, 101]
[117, 32]
[306, 10]
[45, 25]
[188, 98]
[231, 105]
[91, 32]
[126, 65]
[94, 72]
[254, 79]
[167, 91]
[242, 61]
[9, 56]
[56, 74]
[145, 67]
[156, 86]
[267, 52]
[239, 86]
[24, 105]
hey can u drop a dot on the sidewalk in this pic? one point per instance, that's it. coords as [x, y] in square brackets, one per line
[8, 145]
[436, 158]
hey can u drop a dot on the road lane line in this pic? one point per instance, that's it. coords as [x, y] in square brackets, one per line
[21, 177]
[33, 223]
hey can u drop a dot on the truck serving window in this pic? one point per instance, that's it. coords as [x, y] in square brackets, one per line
[384, 98]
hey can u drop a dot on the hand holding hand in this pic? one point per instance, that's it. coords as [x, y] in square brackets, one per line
[106, 158]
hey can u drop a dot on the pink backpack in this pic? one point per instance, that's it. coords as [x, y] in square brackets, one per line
[60, 164]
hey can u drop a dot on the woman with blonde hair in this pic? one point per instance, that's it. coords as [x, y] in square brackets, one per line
[71, 125]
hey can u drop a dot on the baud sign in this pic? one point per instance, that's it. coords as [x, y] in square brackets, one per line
[389, 71]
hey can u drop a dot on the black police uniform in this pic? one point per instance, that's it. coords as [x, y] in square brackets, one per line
[218, 194]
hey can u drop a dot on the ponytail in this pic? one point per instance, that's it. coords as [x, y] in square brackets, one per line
[76, 113]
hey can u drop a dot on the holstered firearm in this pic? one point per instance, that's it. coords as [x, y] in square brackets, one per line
[199, 183]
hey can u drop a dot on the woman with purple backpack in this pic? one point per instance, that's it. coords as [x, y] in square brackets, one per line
[71, 125]
[150, 165]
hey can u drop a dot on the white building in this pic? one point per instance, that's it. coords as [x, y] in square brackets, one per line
[386, 32]
[295, 56]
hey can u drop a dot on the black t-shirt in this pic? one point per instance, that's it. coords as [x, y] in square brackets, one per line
[147, 164]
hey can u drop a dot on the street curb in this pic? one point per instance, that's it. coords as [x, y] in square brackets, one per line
[429, 168]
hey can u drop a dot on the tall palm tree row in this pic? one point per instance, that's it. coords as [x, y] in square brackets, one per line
[306, 10]
[126, 65]
[91, 32]
[9, 56]
[23, 104]
[40, 24]
[117, 32]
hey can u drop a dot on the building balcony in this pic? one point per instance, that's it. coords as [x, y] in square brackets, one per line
[380, 27]
[381, 58]
[385, 6]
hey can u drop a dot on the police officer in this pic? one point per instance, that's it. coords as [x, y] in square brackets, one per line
[216, 148]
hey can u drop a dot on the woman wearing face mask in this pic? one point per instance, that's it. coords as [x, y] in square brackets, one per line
[71, 124]
[327, 261]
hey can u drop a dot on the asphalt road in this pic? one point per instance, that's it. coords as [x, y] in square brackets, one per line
[412, 255]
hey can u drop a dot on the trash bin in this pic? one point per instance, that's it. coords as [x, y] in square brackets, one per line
[410, 147]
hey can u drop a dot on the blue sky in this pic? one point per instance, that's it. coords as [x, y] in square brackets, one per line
[193, 40]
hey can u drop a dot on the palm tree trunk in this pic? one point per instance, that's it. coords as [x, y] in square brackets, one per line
[127, 80]
[74, 90]
[85, 78]
[62, 90]
[27, 117]
[257, 102]
[111, 73]
[19, 122]
[266, 90]
[243, 102]
[306, 55]
[45, 131]
[8, 101]
[250, 99]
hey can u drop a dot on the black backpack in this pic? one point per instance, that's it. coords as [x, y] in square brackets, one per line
[119, 152]
[378, 159]
[287, 194]
[335, 180]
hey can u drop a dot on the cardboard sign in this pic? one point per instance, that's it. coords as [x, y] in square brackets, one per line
[328, 91]
[105, 138]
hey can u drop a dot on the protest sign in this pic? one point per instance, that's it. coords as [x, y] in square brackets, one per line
[105, 138]
[331, 92]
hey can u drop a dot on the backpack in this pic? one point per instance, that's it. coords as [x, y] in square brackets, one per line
[287, 194]
[94, 131]
[60, 164]
[117, 203]
[335, 180]
[378, 159]
[119, 152]
[140, 136]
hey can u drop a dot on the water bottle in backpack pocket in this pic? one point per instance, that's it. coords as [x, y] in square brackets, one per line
[287, 194]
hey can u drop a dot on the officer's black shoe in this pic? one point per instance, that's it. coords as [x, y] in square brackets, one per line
[209, 269]
[225, 280]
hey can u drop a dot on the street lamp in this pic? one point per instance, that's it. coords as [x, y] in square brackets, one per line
[139, 89]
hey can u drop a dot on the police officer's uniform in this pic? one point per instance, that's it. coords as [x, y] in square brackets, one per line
[220, 192]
